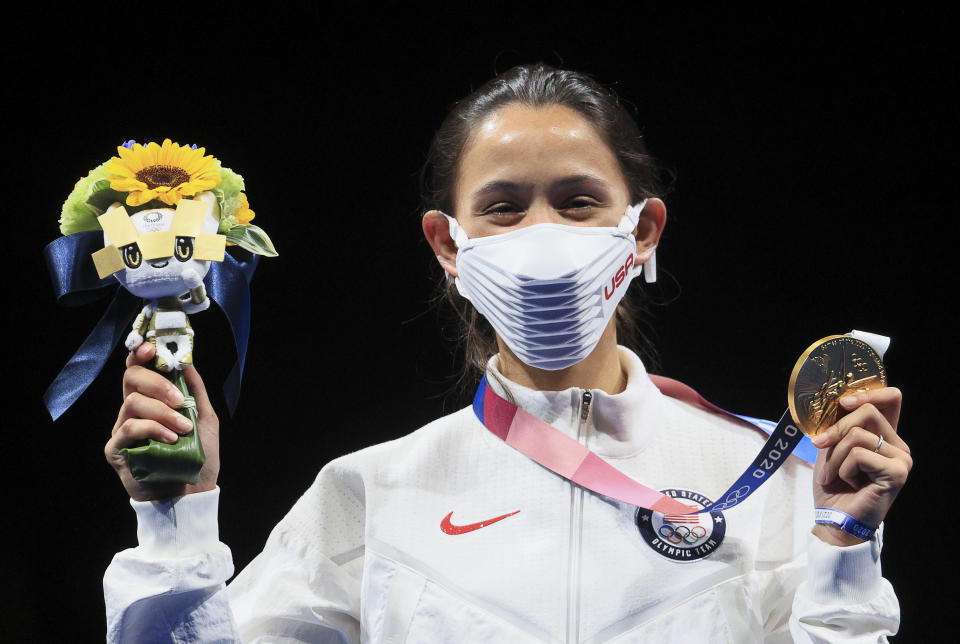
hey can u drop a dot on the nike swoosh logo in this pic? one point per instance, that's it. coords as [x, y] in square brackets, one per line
[449, 528]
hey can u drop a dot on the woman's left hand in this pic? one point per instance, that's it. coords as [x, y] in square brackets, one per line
[851, 474]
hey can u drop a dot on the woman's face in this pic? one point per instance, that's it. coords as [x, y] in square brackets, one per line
[531, 165]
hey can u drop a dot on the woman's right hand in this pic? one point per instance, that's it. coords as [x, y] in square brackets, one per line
[149, 409]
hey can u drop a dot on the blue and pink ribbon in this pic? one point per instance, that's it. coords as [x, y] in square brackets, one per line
[563, 455]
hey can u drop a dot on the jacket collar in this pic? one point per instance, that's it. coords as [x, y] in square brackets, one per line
[619, 425]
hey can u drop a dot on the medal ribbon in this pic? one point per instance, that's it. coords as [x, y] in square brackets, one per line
[562, 455]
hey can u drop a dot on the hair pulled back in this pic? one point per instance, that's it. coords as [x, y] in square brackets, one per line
[535, 85]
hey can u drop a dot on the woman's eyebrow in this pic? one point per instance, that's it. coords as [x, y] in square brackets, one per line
[580, 180]
[499, 185]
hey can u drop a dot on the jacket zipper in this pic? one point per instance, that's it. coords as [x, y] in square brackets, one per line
[576, 529]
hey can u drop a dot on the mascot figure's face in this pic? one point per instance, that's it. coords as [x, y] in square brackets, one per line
[161, 252]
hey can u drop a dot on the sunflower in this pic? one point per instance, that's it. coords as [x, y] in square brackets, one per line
[165, 172]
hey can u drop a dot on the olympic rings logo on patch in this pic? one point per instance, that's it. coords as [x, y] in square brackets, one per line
[686, 537]
[682, 534]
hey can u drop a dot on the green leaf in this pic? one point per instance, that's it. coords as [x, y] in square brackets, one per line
[253, 239]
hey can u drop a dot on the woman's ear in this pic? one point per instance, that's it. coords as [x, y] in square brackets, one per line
[436, 229]
[653, 218]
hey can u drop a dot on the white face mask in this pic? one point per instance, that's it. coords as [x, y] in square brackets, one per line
[549, 290]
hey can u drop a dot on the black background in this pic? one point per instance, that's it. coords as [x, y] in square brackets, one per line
[813, 164]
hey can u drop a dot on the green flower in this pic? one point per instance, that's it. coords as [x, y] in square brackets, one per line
[91, 196]
[228, 198]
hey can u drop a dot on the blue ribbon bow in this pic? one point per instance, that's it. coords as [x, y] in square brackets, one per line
[75, 282]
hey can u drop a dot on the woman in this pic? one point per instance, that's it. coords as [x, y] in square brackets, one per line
[535, 186]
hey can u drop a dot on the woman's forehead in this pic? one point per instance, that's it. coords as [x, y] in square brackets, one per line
[521, 142]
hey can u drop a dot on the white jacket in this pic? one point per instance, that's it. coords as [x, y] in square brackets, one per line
[362, 556]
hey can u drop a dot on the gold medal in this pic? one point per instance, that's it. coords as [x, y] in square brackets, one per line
[828, 369]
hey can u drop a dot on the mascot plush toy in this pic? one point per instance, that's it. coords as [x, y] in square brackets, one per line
[167, 213]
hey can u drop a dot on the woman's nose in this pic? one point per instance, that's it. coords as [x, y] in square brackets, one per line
[542, 214]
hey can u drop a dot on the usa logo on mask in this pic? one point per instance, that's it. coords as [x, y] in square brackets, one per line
[617, 280]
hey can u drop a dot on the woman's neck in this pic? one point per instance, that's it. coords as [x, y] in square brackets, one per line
[599, 370]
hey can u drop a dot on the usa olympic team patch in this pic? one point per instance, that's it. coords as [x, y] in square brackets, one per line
[683, 538]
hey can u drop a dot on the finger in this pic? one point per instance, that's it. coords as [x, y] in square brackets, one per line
[141, 354]
[886, 399]
[138, 406]
[137, 379]
[199, 392]
[890, 473]
[857, 437]
[134, 430]
[866, 416]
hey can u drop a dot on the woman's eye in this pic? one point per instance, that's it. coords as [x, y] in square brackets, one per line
[131, 255]
[580, 202]
[184, 248]
[501, 209]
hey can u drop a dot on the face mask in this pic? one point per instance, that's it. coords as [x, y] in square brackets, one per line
[549, 290]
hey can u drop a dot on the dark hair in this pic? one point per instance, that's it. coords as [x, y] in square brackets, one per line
[533, 85]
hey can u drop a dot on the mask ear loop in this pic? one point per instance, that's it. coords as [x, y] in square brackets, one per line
[460, 239]
[630, 219]
[457, 233]
[627, 225]
[649, 268]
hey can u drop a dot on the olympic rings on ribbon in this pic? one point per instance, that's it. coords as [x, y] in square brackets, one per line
[674, 535]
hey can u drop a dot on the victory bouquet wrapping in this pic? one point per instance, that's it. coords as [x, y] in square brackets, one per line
[154, 223]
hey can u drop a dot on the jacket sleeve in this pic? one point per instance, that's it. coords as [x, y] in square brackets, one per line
[170, 586]
[844, 597]
[304, 586]
[812, 591]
